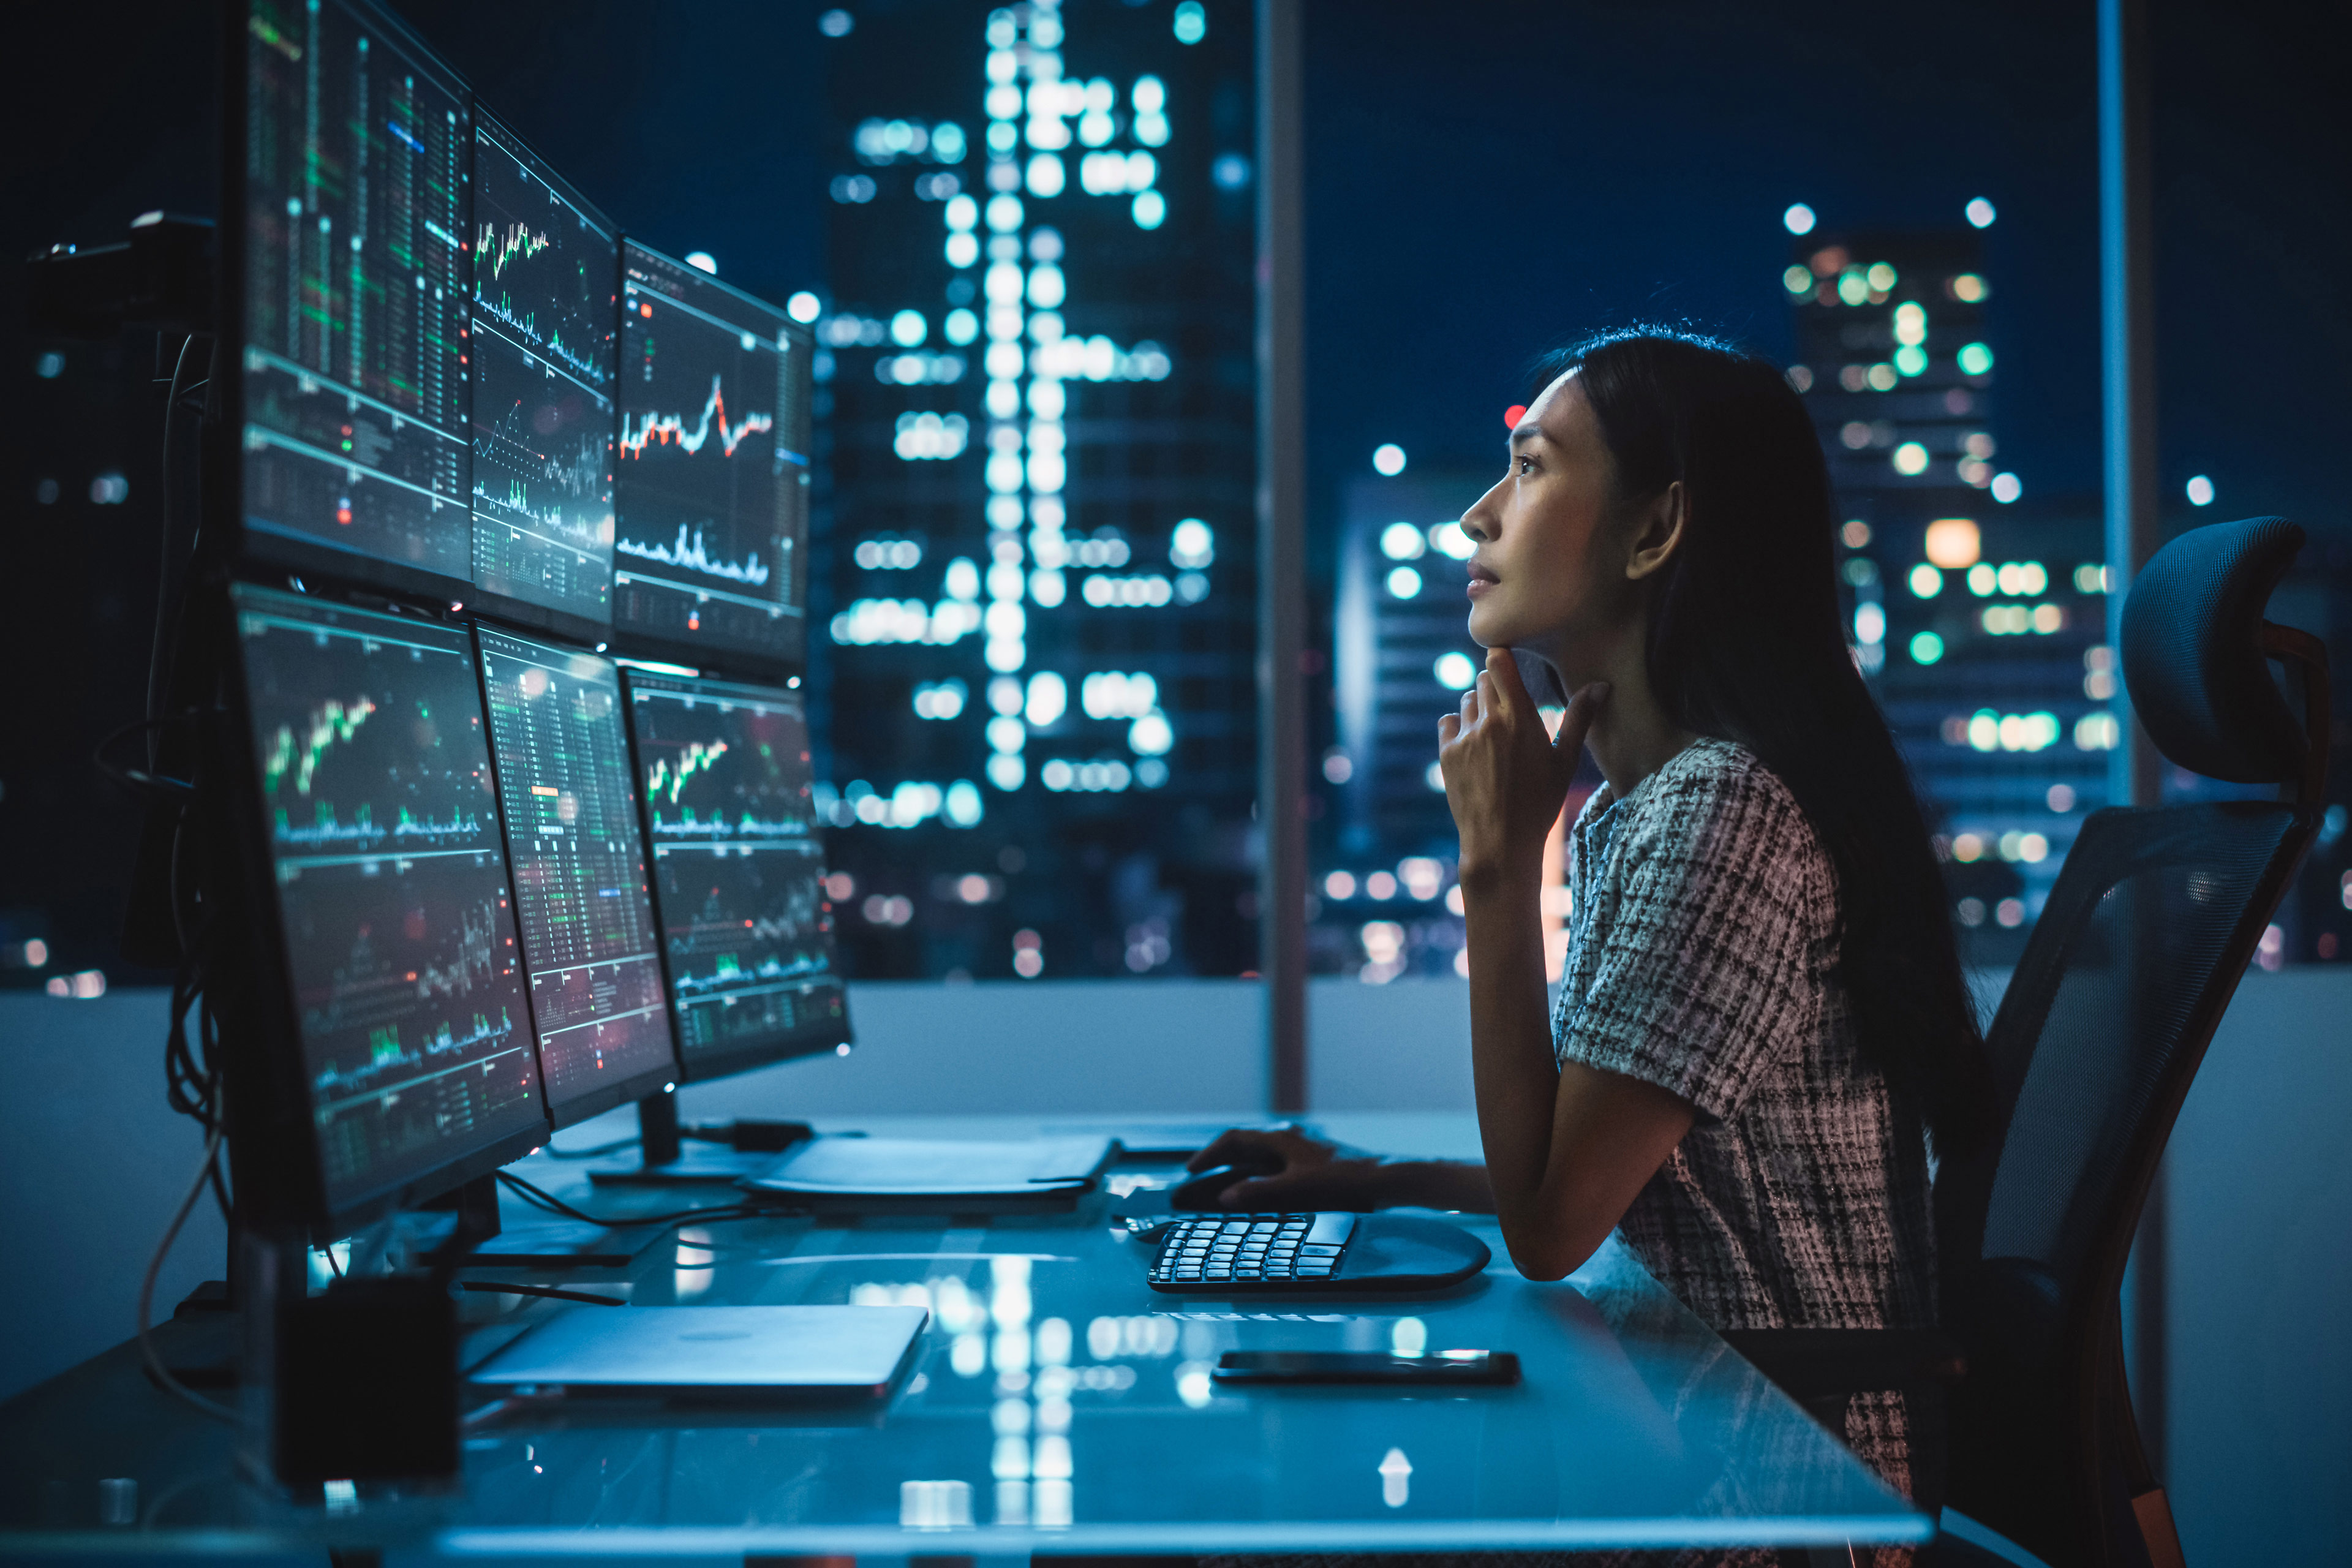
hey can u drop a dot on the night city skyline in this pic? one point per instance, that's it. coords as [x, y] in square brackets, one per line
[1445, 249]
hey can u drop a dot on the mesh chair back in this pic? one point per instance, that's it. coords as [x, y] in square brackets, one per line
[2155, 916]
[2138, 952]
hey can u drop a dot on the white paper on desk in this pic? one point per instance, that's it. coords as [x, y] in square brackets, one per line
[927, 1167]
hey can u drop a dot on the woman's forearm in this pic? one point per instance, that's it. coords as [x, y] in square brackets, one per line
[1510, 1053]
[1436, 1184]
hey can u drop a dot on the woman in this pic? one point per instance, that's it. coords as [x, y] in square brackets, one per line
[1763, 1014]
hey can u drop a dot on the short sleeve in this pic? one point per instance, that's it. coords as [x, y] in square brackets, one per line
[1709, 937]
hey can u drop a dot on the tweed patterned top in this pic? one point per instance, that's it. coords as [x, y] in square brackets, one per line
[1701, 958]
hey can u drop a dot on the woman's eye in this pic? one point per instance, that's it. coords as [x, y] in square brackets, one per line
[1526, 466]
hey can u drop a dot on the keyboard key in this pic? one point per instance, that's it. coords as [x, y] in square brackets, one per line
[1332, 1229]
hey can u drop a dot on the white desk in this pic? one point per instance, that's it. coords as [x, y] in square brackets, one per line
[1059, 1406]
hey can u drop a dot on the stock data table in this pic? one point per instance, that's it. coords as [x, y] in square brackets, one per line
[1057, 1405]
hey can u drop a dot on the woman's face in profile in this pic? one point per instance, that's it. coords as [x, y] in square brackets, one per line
[1544, 576]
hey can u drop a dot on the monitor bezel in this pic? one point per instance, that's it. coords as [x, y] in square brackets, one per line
[654, 1080]
[637, 642]
[251, 548]
[271, 1112]
[507, 609]
[718, 1064]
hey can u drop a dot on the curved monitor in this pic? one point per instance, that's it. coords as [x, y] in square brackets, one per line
[385, 1025]
[724, 786]
[711, 474]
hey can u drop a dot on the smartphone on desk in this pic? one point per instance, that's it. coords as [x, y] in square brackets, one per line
[1445, 1369]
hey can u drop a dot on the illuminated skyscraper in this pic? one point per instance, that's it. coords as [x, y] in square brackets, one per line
[1979, 614]
[1401, 657]
[1033, 614]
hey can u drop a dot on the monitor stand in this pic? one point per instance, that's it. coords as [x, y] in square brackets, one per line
[669, 1160]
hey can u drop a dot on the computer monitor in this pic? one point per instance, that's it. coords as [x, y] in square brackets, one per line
[376, 993]
[546, 275]
[712, 472]
[347, 151]
[567, 798]
[724, 782]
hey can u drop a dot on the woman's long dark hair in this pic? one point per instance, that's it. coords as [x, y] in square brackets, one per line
[1747, 643]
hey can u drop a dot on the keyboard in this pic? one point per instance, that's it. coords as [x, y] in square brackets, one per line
[1213, 1249]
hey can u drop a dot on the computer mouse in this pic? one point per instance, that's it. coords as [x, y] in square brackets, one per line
[1202, 1191]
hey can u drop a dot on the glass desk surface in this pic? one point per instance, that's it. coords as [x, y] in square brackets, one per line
[1056, 1405]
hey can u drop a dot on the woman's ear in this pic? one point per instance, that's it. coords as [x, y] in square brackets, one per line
[1659, 531]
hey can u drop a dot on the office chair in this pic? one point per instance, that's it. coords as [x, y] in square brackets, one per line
[2155, 916]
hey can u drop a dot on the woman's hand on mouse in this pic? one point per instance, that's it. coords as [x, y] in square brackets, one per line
[1298, 1171]
[1301, 1173]
[1507, 774]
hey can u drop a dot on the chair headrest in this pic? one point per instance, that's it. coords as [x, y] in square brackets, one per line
[2192, 654]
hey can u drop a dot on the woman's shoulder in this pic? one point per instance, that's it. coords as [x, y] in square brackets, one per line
[1720, 793]
[1713, 769]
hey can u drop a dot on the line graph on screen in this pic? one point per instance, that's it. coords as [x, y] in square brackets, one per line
[693, 555]
[670, 429]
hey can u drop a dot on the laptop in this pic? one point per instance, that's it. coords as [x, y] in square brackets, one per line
[723, 1355]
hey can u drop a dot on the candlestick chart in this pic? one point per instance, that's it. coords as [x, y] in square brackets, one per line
[723, 769]
[747, 933]
[710, 468]
[581, 883]
[373, 771]
[543, 259]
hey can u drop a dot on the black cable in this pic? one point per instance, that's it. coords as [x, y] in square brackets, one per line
[165, 572]
[550, 1291]
[616, 1146]
[156, 1370]
[541, 1199]
[189, 1086]
[328, 1252]
[142, 781]
[220, 1197]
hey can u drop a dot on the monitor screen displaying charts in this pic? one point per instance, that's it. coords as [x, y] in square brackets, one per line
[579, 878]
[546, 269]
[397, 938]
[356, 450]
[712, 471]
[724, 782]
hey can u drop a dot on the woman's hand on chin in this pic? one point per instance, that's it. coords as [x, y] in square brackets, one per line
[1506, 774]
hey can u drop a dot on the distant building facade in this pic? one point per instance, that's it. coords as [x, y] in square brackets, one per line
[1032, 620]
[1977, 613]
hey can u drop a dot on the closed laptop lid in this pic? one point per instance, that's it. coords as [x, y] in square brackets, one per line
[930, 1166]
[710, 1350]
